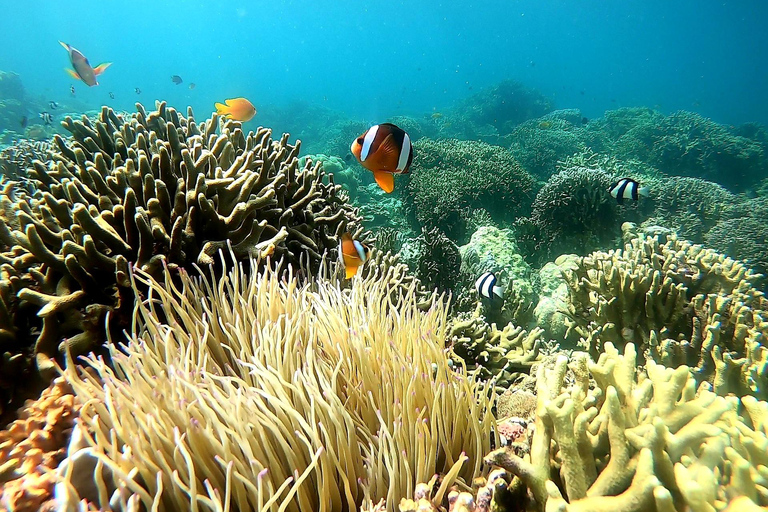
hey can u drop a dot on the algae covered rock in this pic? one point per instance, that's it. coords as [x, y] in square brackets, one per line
[495, 250]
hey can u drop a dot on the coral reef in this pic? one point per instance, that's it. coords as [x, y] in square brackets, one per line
[33, 446]
[148, 191]
[687, 144]
[451, 177]
[609, 437]
[539, 144]
[493, 112]
[742, 233]
[18, 157]
[680, 304]
[254, 389]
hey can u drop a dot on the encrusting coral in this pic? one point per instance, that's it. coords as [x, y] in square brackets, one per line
[254, 391]
[33, 446]
[680, 304]
[149, 191]
[609, 437]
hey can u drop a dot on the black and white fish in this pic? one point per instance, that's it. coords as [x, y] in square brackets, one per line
[627, 188]
[53, 105]
[487, 287]
[137, 90]
[46, 117]
[112, 95]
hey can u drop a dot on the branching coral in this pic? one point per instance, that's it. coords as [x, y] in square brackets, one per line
[451, 176]
[151, 190]
[616, 439]
[228, 388]
[680, 304]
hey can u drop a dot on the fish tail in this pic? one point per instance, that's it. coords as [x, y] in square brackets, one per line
[350, 270]
[644, 191]
[101, 67]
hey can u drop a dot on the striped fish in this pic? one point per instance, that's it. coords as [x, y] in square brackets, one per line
[627, 188]
[487, 288]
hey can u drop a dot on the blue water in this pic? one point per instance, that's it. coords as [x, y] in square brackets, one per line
[373, 60]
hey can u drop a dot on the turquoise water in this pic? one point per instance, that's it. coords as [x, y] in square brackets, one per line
[373, 60]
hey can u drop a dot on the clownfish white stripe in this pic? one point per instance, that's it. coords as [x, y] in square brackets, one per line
[360, 250]
[405, 153]
[370, 135]
[341, 251]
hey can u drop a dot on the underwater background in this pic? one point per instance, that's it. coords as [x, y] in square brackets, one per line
[517, 261]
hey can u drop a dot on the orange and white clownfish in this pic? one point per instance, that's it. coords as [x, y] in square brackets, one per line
[385, 150]
[352, 254]
[83, 70]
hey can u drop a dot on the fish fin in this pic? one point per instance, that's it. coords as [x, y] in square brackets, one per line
[620, 199]
[222, 109]
[498, 291]
[386, 180]
[232, 102]
[72, 73]
[350, 270]
[65, 45]
[101, 67]
[644, 191]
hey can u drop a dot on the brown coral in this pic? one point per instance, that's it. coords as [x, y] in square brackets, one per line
[33, 445]
[152, 190]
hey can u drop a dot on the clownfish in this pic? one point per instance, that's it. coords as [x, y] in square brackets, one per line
[352, 254]
[385, 150]
[83, 70]
[627, 188]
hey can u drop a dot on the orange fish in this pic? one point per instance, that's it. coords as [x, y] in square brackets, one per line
[83, 70]
[352, 254]
[385, 150]
[239, 109]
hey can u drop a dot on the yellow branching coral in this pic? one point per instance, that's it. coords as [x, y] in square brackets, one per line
[251, 388]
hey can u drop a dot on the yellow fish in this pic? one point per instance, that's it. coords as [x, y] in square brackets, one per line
[239, 109]
[352, 254]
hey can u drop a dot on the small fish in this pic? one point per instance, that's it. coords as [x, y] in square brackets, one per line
[385, 150]
[191, 86]
[46, 117]
[176, 79]
[584, 120]
[627, 188]
[437, 115]
[72, 90]
[487, 288]
[239, 109]
[23, 121]
[83, 70]
[352, 254]
[112, 95]
[53, 105]
[137, 90]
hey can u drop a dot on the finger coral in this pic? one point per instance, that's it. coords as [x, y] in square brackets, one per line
[144, 191]
[609, 437]
[254, 391]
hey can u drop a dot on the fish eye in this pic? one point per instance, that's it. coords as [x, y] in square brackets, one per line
[359, 140]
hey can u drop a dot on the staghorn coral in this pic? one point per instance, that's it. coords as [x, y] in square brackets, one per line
[230, 387]
[34, 445]
[18, 157]
[679, 303]
[742, 233]
[150, 190]
[618, 439]
[450, 177]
